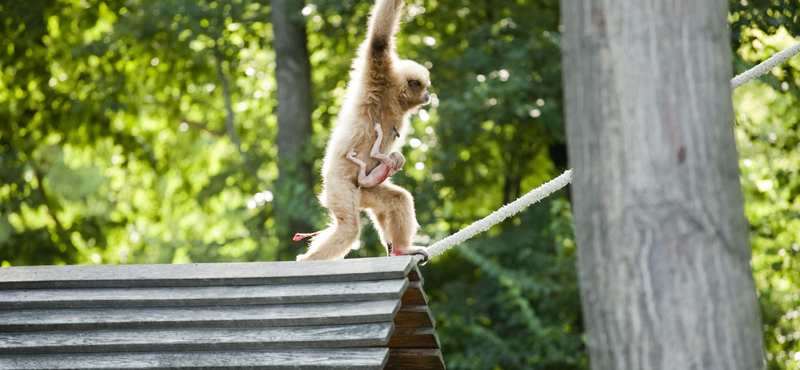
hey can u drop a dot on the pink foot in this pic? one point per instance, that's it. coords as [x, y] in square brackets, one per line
[300, 236]
[410, 251]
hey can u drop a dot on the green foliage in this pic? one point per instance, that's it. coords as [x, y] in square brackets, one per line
[510, 301]
[750, 21]
[768, 135]
[767, 16]
[113, 133]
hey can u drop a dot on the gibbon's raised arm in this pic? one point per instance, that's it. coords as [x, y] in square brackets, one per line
[382, 27]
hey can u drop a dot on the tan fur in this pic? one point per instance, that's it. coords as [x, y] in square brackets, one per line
[378, 92]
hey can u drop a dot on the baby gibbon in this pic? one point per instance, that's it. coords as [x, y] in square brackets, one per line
[389, 163]
[383, 89]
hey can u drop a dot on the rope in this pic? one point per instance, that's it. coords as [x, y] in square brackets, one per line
[501, 214]
[559, 182]
[765, 66]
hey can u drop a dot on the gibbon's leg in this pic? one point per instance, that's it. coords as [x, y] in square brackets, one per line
[342, 199]
[392, 211]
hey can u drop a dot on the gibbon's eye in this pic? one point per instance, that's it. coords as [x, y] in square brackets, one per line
[414, 84]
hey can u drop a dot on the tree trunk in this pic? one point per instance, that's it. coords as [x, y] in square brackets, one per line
[293, 75]
[663, 249]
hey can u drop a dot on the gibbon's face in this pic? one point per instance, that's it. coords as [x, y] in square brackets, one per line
[413, 82]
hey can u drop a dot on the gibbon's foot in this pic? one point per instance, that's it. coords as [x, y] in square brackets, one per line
[424, 254]
[300, 236]
[410, 251]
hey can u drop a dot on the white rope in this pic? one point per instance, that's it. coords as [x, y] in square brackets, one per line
[559, 182]
[501, 214]
[765, 66]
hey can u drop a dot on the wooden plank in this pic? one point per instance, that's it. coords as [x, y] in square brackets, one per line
[411, 338]
[415, 359]
[355, 358]
[205, 274]
[96, 341]
[415, 275]
[200, 296]
[413, 296]
[198, 317]
[408, 317]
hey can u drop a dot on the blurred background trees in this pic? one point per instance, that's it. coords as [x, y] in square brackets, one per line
[148, 132]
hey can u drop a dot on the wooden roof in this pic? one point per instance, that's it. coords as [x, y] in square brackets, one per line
[366, 313]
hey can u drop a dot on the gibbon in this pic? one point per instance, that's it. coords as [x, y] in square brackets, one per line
[383, 89]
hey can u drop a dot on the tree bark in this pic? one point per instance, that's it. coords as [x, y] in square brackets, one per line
[663, 250]
[293, 77]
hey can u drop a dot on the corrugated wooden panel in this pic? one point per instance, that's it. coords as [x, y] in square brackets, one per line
[411, 316]
[215, 339]
[414, 274]
[205, 274]
[414, 295]
[415, 359]
[414, 338]
[355, 358]
[310, 315]
[414, 344]
[198, 317]
[203, 296]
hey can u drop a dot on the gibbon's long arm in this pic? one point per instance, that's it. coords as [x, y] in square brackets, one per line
[382, 27]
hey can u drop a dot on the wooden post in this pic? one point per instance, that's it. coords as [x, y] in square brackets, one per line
[662, 241]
